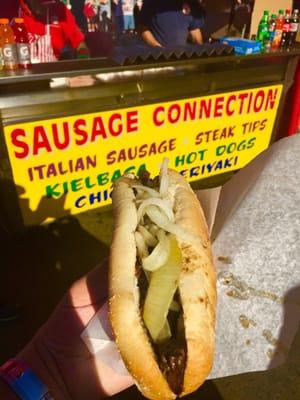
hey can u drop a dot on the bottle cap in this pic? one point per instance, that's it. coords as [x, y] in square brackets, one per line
[281, 11]
[266, 12]
[19, 20]
[4, 21]
[274, 16]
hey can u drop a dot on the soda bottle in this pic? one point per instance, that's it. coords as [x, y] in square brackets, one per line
[263, 29]
[294, 26]
[22, 42]
[8, 45]
[272, 27]
[278, 30]
[286, 30]
[1, 53]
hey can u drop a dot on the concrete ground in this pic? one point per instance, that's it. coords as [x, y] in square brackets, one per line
[39, 265]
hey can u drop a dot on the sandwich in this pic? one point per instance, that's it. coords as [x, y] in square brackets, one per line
[162, 284]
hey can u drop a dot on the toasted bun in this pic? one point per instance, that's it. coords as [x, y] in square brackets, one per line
[197, 289]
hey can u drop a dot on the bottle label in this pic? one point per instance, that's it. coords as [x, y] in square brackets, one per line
[1, 59]
[272, 28]
[286, 27]
[277, 37]
[10, 54]
[294, 26]
[23, 53]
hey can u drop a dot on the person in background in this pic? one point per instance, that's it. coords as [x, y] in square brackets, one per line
[77, 11]
[90, 11]
[52, 29]
[137, 11]
[170, 23]
[128, 15]
[105, 15]
[240, 17]
[124, 15]
[118, 17]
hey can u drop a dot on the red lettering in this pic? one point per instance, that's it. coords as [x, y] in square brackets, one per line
[132, 121]
[15, 135]
[98, 129]
[172, 144]
[219, 107]
[65, 143]
[80, 132]
[143, 150]
[206, 107]
[230, 111]
[198, 139]
[111, 157]
[190, 111]
[115, 129]
[157, 111]
[152, 149]
[242, 98]
[271, 97]
[174, 113]
[40, 140]
[259, 100]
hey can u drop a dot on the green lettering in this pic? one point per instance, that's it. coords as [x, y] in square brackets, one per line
[130, 170]
[103, 179]
[117, 174]
[141, 168]
[51, 191]
[88, 184]
[76, 184]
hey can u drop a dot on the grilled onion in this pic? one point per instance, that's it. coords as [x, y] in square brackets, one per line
[159, 254]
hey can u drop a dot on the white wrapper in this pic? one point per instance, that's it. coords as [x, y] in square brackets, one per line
[257, 253]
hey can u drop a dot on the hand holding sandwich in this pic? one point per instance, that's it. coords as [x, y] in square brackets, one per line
[162, 298]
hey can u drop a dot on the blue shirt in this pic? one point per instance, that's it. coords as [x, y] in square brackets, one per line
[169, 20]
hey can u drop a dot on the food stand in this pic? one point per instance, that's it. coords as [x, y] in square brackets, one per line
[62, 148]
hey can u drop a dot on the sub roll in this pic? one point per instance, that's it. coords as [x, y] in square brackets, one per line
[162, 284]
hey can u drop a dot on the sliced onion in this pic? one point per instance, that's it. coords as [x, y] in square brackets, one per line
[161, 290]
[149, 239]
[163, 178]
[153, 229]
[159, 255]
[142, 249]
[150, 191]
[164, 205]
[162, 221]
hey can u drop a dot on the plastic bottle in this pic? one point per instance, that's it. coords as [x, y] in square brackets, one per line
[8, 45]
[294, 26]
[278, 31]
[22, 42]
[1, 53]
[286, 30]
[263, 29]
[272, 27]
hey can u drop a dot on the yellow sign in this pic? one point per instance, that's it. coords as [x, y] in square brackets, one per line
[67, 165]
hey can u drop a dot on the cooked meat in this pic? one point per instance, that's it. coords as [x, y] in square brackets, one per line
[171, 354]
[172, 359]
